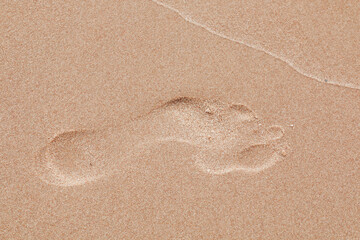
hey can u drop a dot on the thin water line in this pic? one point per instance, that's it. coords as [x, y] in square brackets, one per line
[258, 48]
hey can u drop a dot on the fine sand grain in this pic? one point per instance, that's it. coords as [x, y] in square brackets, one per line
[179, 120]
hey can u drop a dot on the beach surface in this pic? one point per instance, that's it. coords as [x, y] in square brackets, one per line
[164, 120]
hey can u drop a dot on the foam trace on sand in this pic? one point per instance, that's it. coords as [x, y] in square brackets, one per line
[228, 137]
[297, 67]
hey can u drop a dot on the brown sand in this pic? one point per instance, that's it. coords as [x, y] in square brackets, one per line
[112, 68]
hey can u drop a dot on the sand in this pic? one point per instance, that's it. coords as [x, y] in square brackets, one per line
[162, 120]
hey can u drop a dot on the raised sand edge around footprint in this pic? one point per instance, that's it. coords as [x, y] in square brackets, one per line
[206, 124]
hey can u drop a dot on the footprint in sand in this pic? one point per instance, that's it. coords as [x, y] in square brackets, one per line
[229, 137]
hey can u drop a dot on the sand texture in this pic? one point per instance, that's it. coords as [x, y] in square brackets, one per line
[180, 119]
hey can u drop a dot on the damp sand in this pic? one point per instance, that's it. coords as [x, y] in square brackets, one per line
[74, 69]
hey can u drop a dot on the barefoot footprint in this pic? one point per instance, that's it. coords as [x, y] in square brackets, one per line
[229, 137]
